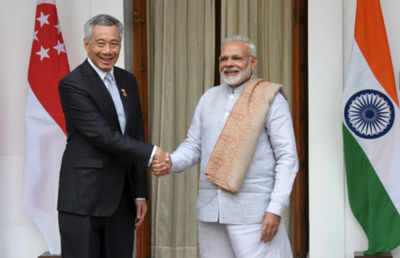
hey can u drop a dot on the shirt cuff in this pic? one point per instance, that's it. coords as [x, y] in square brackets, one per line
[275, 208]
[140, 199]
[152, 156]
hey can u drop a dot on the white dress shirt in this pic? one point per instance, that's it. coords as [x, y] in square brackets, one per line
[112, 88]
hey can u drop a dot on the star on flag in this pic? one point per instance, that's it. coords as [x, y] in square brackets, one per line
[60, 47]
[43, 53]
[43, 19]
[58, 27]
[35, 35]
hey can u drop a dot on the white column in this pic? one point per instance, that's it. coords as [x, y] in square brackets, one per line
[326, 178]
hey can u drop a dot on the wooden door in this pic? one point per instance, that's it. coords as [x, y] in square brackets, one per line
[300, 122]
[140, 71]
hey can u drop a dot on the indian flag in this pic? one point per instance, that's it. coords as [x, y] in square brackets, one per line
[371, 132]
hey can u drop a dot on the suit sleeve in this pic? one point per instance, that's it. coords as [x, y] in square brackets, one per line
[84, 116]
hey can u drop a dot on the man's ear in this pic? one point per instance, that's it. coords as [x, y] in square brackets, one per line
[85, 43]
[253, 62]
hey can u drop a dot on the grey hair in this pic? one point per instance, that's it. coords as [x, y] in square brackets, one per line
[101, 19]
[249, 43]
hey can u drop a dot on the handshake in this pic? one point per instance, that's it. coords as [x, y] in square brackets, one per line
[161, 164]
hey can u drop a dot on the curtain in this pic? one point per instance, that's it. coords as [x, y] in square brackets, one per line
[181, 40]
[268, 24]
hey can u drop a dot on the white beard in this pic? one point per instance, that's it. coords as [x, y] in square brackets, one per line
[238, 79]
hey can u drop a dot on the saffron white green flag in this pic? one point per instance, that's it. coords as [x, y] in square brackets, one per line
[371, 132]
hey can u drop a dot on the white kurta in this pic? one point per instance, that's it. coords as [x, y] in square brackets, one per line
[270, 177]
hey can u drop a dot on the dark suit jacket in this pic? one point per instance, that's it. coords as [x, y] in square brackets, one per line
[98, 158]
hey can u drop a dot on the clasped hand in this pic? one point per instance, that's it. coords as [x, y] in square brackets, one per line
[161, 164]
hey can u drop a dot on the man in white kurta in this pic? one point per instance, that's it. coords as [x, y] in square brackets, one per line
[246, 224]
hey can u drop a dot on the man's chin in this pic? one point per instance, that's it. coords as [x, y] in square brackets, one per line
[106, 68]
[106, 65]
[234, 82]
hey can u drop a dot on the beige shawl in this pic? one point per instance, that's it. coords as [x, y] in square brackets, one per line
[237, 143]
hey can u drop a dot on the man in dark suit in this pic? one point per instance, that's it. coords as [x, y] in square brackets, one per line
[102, 181]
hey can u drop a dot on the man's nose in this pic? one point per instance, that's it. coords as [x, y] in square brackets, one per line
[229, 62]
[107, 49]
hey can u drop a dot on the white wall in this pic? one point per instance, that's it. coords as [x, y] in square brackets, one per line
[326, 179]
[334, 233]
[18, 237]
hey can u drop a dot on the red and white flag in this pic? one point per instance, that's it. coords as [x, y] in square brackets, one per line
[45, 125]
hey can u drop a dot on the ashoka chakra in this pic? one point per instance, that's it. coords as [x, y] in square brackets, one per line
[369, 114]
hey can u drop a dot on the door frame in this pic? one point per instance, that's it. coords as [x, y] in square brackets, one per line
[300, 124]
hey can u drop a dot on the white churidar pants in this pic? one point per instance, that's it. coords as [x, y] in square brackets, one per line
[241, 241]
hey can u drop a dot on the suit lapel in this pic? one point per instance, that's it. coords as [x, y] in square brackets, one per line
[100, 93]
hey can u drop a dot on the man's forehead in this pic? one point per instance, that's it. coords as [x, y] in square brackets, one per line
[235, 48]
[104, 38]
[102, 30]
